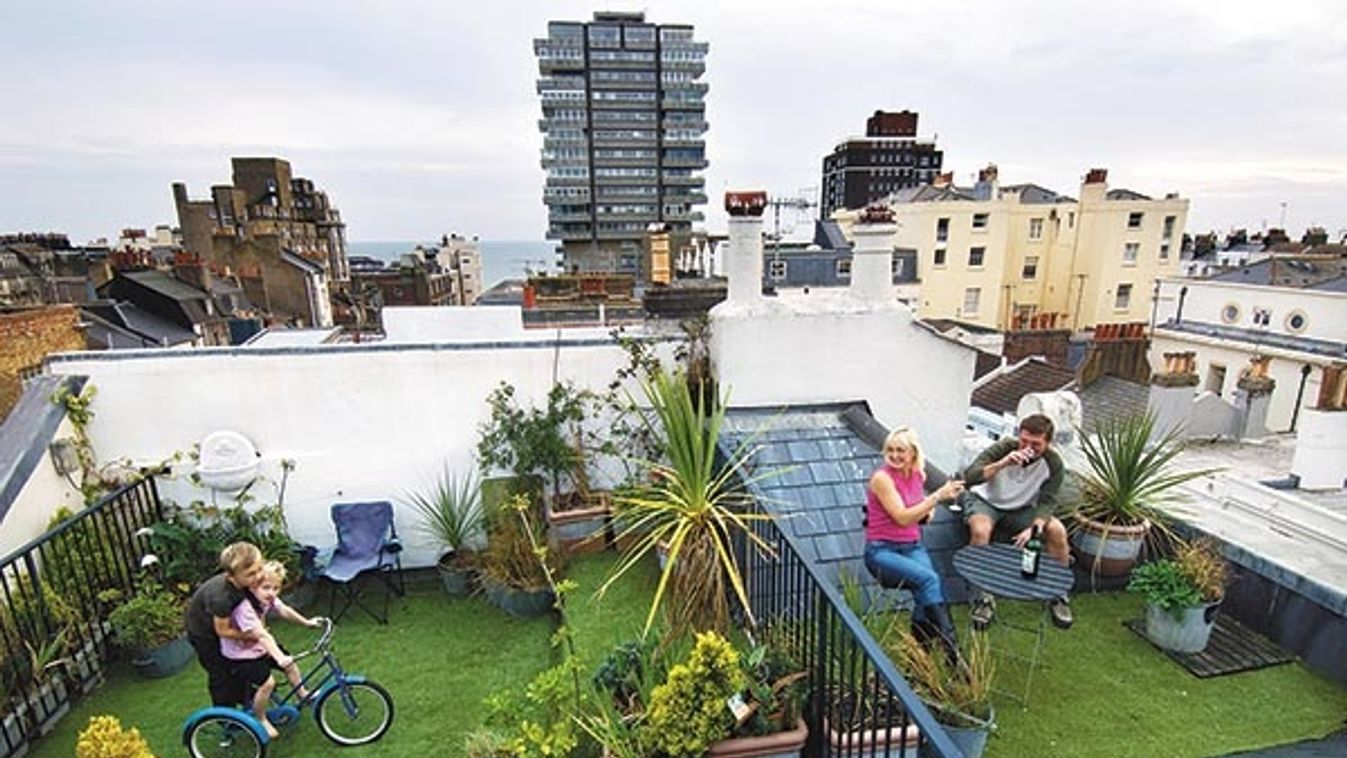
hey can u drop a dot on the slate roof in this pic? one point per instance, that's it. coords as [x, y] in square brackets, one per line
[1110, 397]
[825, 455]
[1001, 392]
[165, 285]
[1300, 273]
[26, 432]
[1033, 194]
[131, 326]
[1124, 194]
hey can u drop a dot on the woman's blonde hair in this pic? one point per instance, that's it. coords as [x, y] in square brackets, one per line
[274, 570]
[905, 438]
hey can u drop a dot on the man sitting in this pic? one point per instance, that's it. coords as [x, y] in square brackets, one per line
[1013, 488]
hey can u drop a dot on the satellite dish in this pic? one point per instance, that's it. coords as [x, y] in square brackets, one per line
[228, 462]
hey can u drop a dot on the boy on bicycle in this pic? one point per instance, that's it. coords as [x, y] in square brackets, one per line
[253, 661]
[207, 619]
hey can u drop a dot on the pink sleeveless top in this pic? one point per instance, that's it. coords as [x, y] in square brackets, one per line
[878, 525]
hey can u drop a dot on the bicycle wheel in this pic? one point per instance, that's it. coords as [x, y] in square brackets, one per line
[223, 737]
[356, 716]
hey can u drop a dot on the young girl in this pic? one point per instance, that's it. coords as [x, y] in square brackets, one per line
[253, 661]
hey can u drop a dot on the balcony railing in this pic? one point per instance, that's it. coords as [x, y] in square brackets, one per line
[859, 704]
[49, 590]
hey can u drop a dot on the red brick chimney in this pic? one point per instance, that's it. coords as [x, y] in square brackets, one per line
[1096, 176]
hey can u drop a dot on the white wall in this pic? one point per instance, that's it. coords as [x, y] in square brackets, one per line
[361, 422]
[1325, 312]
[44, 493]
[828, 347]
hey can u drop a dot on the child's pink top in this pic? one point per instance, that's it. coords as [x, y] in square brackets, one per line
[878, 525]
[245, 618]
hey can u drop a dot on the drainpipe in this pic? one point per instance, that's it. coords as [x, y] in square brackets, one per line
[1178, 314]
[1300, 395]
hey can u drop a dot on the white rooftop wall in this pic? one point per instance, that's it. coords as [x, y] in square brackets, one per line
[361, 422]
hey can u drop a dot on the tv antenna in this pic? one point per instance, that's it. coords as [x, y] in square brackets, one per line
[800, 203]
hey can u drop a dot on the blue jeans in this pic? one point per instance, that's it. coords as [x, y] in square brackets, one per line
[906, 564]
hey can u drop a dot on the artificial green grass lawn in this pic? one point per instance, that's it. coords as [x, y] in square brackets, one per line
[1102, 691]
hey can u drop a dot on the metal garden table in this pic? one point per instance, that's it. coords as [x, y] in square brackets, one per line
[995, 568]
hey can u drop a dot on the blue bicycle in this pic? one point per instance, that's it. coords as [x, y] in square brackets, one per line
[350, 710]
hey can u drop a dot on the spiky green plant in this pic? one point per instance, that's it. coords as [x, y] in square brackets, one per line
[1130, 480]
[451, 512]
[695, 505]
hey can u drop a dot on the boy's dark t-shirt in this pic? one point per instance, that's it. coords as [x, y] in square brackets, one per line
[216, 597]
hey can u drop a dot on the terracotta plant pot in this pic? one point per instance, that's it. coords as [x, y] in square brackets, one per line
[1108, 550]
[872, 743]
[579, 529]
[787, 744]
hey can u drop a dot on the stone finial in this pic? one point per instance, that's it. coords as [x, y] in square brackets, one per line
[1333, 388]
[1179, 371]
[876, 213]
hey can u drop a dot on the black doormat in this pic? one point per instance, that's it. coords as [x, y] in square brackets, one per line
[1233, 648]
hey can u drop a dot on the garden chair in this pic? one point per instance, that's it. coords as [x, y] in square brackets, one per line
[367, 543]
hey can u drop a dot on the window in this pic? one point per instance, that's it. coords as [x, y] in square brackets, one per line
[1035, 228]
[777, 270]
[1164, 252]
[1071, 220]
[972, 298]
[940, 257]
[1262, 316]
[1230, 313]
[896, 266]
[979, 221]
[1130, 251]
[1296, 321]
[1134, 220]
[941, 229]
[975, 256]
[1030, 270]
[843, 268]
[1122, 299]
[1169, 227]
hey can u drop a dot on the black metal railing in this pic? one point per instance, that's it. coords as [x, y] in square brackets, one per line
[54, 596]
[859, 704]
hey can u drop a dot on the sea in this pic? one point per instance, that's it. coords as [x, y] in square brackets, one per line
[501, 259]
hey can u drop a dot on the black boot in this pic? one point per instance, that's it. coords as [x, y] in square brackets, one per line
[943, 626]
[923, 632]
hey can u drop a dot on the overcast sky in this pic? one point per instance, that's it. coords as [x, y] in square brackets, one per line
[421, 117]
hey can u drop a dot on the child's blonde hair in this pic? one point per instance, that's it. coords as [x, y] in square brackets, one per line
[238, 557]
[274, 570]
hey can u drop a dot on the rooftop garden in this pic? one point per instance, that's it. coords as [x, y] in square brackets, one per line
[702, 629]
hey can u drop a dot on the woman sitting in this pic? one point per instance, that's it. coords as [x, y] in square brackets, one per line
[895, 506]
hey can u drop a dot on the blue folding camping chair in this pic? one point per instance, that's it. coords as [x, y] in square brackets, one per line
[367, 543]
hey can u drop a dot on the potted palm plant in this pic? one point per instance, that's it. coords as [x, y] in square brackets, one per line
[150, 626]
[452, 517]
[1128, 493]
[695, 504]
[1182, 595]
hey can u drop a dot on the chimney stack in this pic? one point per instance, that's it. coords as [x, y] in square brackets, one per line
[1096, 176]
[744, 265]
[943, 180]
[872, 256]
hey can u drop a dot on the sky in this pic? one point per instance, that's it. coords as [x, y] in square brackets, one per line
[421, 118]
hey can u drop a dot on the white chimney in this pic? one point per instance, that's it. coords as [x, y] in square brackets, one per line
[743, 266]
[872, 255]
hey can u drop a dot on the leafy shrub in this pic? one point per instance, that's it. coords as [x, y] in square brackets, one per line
[509, 558]
[1196, 575]
[152, 617]
[105, 738]
[189, 540]
[688, 712]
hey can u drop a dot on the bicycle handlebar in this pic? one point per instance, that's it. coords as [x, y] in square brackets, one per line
[323, 640]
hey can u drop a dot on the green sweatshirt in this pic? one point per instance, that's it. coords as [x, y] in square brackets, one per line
[1045, 503]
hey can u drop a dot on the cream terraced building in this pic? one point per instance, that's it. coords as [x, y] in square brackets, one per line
[996, 255]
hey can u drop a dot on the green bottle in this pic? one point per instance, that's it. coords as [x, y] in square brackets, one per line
[1033, 551]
